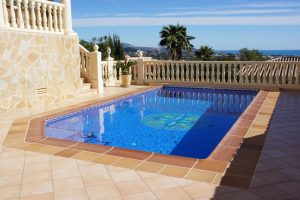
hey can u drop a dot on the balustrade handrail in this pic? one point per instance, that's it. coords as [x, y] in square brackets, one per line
[283, 74]
[82, 48]
[49, 2]
[36, 15]
[219, 62]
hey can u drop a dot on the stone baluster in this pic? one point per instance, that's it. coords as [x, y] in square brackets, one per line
[26, 15]
[187, 72]
[177, 73]
[12, 14]
[260, 74]
[290, 73]
[167, 71]
[159, 71]
[271, 66]
[265, 67]
[169, 68]
[38, 16]
[247, 73]
[173, 71]
[234, 73]
[192, 73]
[146, 71]
[218, 72]
[60, 19]
[213, 72]
[202, 72]
[163, 72]
[50, 17]
[182, 71]
[20, 20]
[4, 14]
[241, 73]
[223, 73]
[207, 72]
[284, 73]
[197, 72]
[32, 14]
[149, 71]
[55, 20]
[45, 21]
[276, 73]
[154, 72]
[229, 72]
[252, 73]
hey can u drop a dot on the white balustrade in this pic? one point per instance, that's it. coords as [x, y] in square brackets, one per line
[91, 67]
[256, 74]
[36, 15]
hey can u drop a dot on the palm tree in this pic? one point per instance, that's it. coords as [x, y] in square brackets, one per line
[204, 53]
[176, 40]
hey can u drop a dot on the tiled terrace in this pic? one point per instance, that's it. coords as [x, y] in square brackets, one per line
[31, 175]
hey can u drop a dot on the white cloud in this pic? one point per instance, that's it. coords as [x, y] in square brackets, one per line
[228, 12]
[251, 5]
[269, 5]
[151, 21]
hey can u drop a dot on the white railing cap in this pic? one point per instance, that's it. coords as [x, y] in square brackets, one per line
[83, 49]
[49, 2]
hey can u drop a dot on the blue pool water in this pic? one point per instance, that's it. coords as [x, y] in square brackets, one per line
[179, 121]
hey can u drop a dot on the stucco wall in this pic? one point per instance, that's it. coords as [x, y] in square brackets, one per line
[31, 62]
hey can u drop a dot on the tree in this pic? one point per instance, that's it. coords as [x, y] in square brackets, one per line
[113, 42]
[251, 55]
[176, 40]
[204, 53]
[86, 44]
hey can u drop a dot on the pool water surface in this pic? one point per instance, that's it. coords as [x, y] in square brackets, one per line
[180, 121]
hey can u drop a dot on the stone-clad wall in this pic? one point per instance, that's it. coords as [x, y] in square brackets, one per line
[37, 69]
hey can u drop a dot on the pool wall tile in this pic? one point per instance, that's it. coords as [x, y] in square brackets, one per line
[57, 142]
[139, 155]
[174, 171]
[201, 175]
[91, 147]
[173, 160]
[67, 153]
[127, 163]
[106, 159]
[211, 165]
[150, 167]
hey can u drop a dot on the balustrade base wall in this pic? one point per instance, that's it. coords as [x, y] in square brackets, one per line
[37, 69]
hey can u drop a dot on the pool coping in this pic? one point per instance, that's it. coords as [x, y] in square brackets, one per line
[211, 169]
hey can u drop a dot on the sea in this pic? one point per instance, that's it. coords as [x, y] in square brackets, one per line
[268, 52]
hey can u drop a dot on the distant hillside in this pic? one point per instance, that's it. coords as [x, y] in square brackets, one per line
[136, 48]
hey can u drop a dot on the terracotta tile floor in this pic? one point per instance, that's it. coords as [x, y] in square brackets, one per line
[29, 175]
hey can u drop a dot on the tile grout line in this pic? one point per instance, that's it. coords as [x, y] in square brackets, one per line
[152, 191]
[114, 183]
[22, 173]
[143, 161]
[190, 169]
[85, 190]
[53, 195]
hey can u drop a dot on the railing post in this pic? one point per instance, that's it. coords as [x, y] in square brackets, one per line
[110, 69]
[67, 16]
[97, 80]
[2, 23]
[141, 72]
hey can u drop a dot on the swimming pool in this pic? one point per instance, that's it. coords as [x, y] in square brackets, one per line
[178, 121]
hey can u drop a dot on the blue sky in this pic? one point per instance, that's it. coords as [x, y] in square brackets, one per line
[222, 24]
